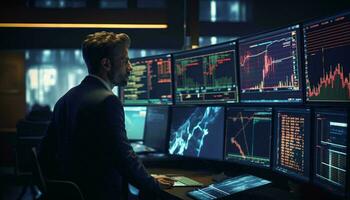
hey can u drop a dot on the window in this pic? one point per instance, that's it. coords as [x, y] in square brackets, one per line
[222, 11]
[60, 3]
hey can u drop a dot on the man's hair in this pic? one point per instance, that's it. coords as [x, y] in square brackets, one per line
[102, 45]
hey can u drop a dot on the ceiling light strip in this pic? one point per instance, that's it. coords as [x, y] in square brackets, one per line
[71, 25]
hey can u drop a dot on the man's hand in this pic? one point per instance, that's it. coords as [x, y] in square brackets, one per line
[165, 182]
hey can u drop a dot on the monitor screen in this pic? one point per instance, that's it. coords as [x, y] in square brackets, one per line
[327, 60]
[197, 132]
[156, 128]
[149, 81]
[291, 152]
[135, 121]
[270, 69]
[248, 135]
[330, 155]
[206, 75]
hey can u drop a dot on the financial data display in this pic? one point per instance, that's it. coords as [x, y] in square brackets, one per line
[270, 69]
[156, 128]
[228, 187]
[248, 135]
[327, 60]
[292, 143]
[330, 157]
[135, 121]
[197, 132]
[149, 81]
[206, 74]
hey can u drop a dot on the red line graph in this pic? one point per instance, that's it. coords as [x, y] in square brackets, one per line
[269, 66]
[234, 142]
[328, 80]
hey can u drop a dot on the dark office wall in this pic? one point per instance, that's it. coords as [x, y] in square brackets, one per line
[39, 38]
[12, 101]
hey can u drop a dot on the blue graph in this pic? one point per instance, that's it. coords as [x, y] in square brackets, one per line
[197, 132]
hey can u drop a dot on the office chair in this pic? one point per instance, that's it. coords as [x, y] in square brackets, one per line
[54, 189]
[29, 134]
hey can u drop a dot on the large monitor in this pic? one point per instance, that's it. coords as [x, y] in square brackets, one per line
[330, 155]
[291, 152]
[135, 121]
[156, 128]
[327, 60]
[248, 135]
[149, 81]
[206, 75]
[197, 132]
[270, 69]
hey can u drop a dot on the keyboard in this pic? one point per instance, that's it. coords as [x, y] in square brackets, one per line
[185, 181]
[141, 148]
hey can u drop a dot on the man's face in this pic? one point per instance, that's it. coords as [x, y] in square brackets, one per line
[121, 68]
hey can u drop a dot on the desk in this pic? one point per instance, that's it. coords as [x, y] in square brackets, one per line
[205, 177]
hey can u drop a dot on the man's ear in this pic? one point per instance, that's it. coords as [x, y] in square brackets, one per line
[106, 64]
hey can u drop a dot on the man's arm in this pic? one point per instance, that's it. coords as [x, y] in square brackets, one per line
[121, 152]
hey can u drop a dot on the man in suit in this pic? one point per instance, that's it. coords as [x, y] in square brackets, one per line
[86, 141]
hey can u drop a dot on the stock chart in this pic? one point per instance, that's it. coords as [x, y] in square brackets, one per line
[331, 129]
[327, 64]
[270, 68]
[197, 132]
[150, 81]
[206, 75]
[248, 135]
[292, 142]
[136, 89]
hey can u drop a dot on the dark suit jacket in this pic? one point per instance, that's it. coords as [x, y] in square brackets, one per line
[86, 142]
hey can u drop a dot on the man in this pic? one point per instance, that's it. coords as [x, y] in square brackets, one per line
[86, 141]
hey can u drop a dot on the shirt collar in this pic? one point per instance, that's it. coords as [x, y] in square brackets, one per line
[101, 80]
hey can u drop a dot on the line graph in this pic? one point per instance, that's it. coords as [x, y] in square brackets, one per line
[269, 63]
[333, 83]
[327, 64]
[248, 135]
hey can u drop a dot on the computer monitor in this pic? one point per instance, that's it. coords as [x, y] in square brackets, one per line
[327, 61]
[270, 69]
[149, 81]
[330, 150]
[206, 75]
[248, 136]
[135, 121]
[156, 128]
[291, 151]
[197, 132]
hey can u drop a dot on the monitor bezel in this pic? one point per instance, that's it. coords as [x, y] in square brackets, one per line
[148, 101]
[249, 163]
[290, 174]
[191, 51]
[194, 107]
[272, 32]
[166, 141]
[325, 186]
[135, 140]
[303, 27]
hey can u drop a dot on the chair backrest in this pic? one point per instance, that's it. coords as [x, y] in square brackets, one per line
[38, 176]
[29, 134]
